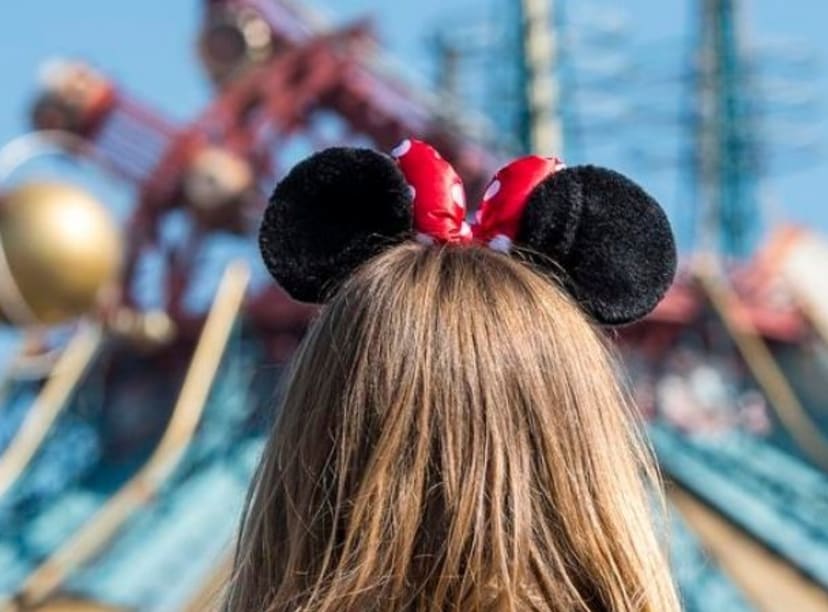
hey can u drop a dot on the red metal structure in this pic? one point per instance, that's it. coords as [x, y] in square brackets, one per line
[284, 83]
[280, 79]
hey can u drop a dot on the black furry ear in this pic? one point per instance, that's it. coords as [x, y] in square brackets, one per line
[611, 239]
[332, 212]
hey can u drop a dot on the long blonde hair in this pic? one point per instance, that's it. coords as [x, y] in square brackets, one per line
[452, 437]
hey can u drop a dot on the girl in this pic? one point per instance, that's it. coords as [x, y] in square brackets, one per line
[452, 436]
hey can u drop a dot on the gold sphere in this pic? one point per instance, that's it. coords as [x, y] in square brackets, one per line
[59, 249]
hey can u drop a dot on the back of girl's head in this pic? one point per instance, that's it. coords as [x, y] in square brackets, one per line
[451, 437]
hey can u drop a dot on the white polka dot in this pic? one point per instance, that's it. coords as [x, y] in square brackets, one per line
[492, 190]
[465, 230]
[458, 195]
[501, 243]
[412, 192]
[401, 149]
[424, 239]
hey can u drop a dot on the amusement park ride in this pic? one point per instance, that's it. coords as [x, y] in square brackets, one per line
[133, 430]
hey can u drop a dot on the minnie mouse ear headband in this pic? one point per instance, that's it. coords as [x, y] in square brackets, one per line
[603, 235]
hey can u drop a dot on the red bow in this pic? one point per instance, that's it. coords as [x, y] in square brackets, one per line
[440, 201]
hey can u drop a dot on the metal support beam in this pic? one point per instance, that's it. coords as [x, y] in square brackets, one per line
[544, 130]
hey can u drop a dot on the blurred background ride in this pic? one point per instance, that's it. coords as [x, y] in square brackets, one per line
[142, 341]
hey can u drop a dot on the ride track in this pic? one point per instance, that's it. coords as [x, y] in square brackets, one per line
[758, 510]
[769, 582]
[67, 373]
[94, 534]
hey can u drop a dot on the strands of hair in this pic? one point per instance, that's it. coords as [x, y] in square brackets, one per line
[452, 437]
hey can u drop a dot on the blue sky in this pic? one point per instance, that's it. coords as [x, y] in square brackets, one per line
[148, 46]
